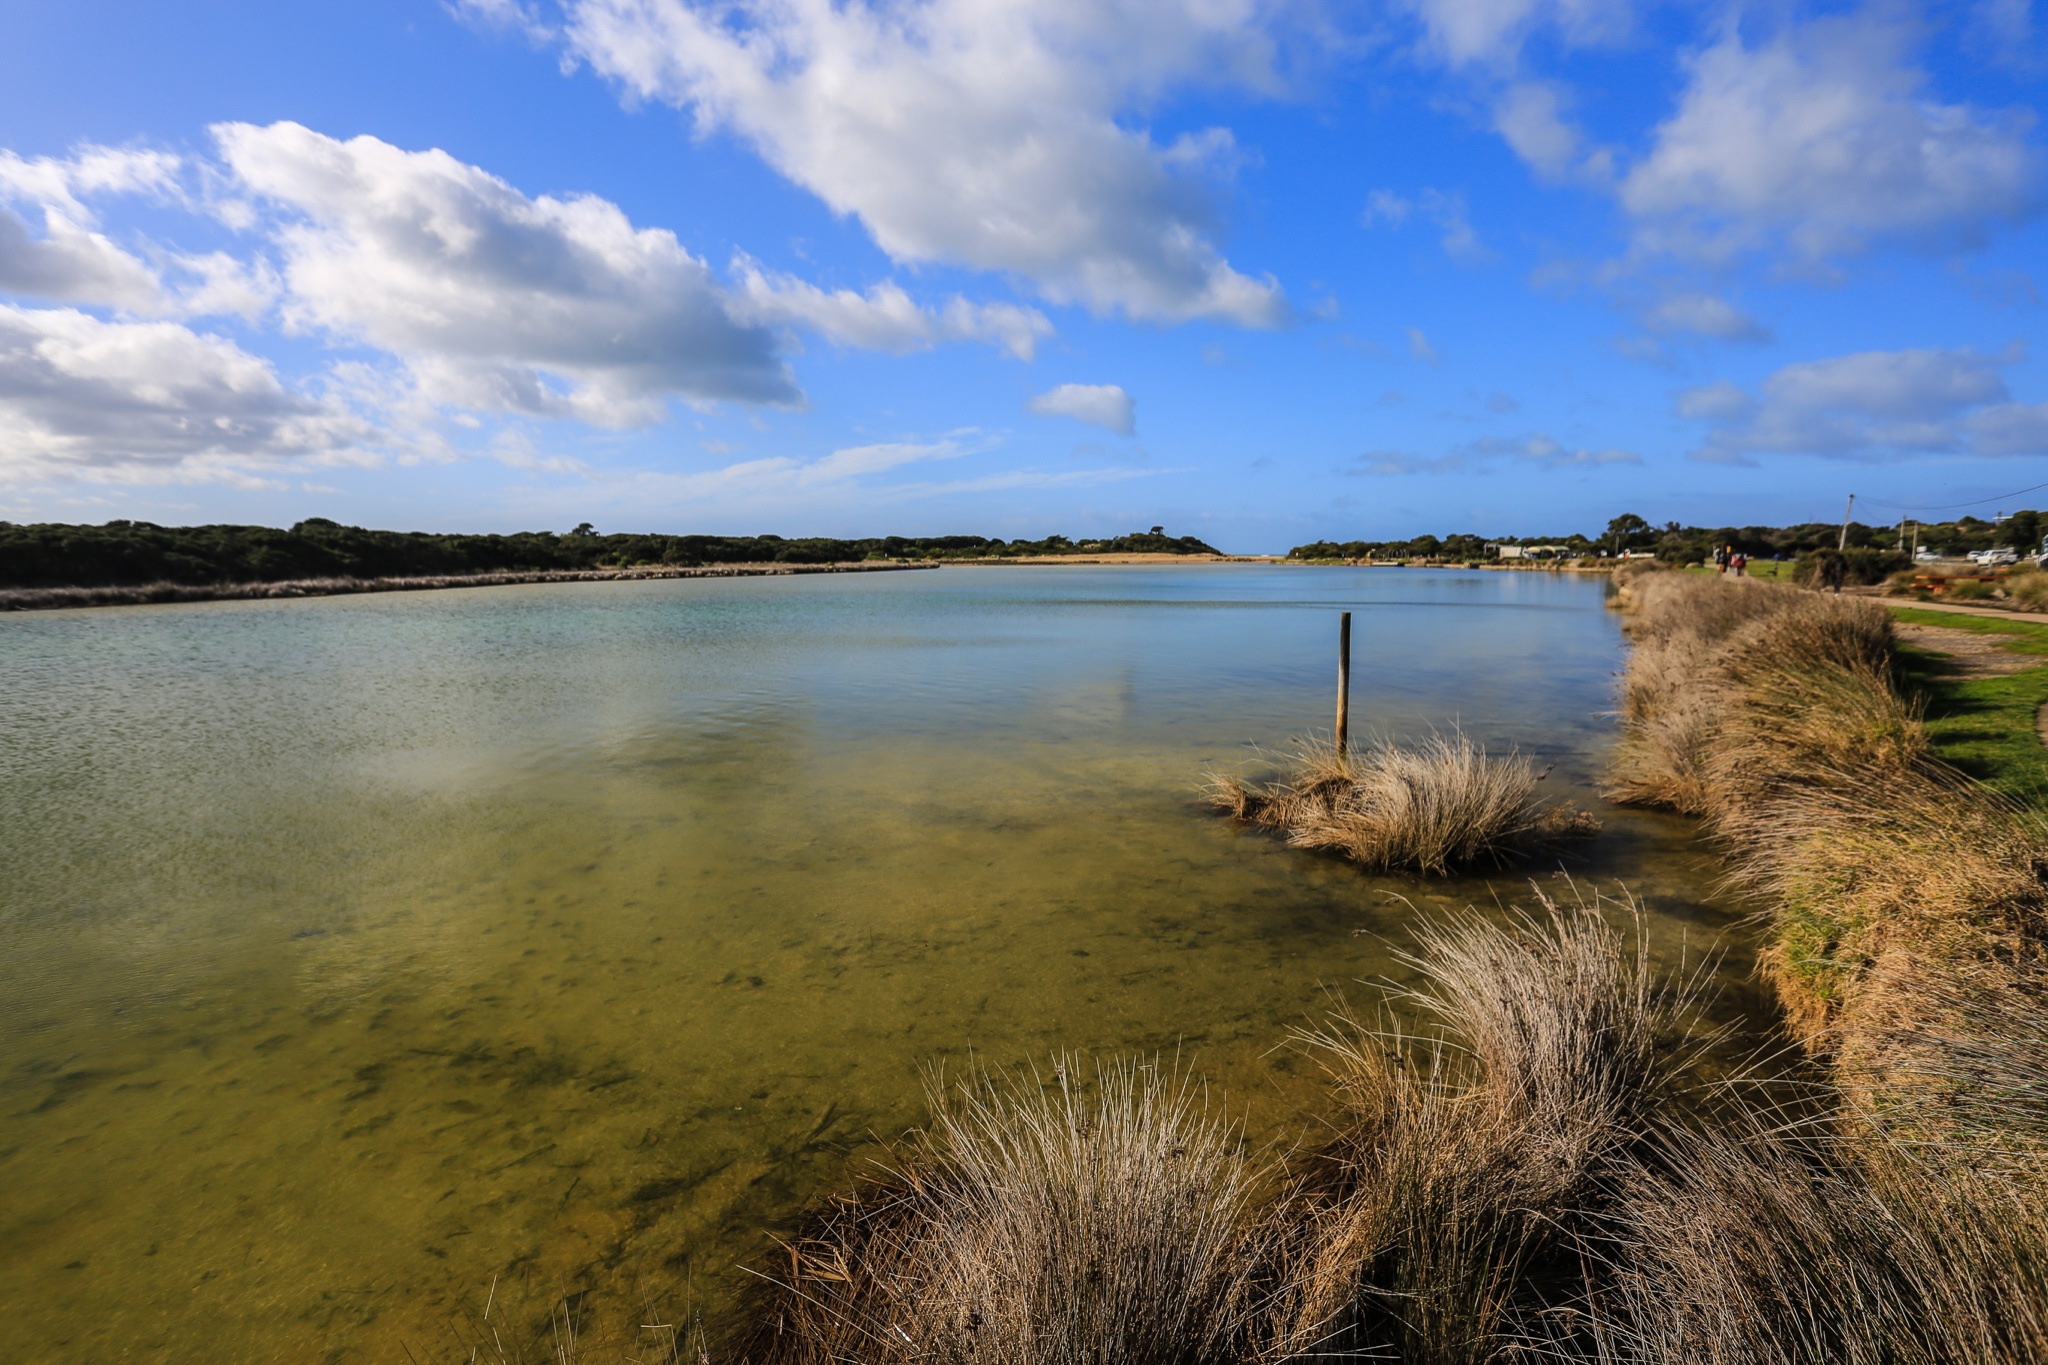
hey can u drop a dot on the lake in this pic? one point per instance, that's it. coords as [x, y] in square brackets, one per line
[371, 960]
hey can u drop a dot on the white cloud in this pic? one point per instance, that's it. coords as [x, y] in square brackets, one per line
[70, 261]
[1870, 405]
[1530, 115]
[1102, 405]
[1536, 448]
[885, 318]
[1823, 142]
[1491, 32]
[128, 402]
[784, 475]
[517, 15]
[1446, 210]
[1707, 315]
[64, 183]
[990, 133]
[551, 307]
[1540, 449]
[1419, 347]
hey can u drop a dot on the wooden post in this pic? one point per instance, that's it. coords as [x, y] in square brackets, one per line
[1843, 543]
[1343, 682]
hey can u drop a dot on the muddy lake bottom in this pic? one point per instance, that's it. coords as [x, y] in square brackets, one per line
[367, 960]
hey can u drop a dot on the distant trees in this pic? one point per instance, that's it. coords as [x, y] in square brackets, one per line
[1680, 544]
[129, 553]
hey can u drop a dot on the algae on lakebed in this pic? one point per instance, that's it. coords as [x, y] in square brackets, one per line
[363, 952]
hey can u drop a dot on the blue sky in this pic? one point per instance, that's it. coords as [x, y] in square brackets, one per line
[1263, 272]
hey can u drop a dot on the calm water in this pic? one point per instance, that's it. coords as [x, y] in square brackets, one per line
[361, 954]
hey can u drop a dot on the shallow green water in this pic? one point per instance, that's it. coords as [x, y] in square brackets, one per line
[360, 954]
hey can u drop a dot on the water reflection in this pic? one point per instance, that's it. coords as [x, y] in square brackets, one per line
[362, 953]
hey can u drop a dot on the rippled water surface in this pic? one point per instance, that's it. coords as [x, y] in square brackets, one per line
[370, 960]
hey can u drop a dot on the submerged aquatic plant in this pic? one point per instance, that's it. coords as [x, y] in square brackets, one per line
[1433, 806]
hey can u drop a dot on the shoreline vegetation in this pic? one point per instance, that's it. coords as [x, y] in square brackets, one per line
[1525, 1157]
[50, 565]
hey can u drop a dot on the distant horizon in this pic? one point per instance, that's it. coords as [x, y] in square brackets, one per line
[1550, 534]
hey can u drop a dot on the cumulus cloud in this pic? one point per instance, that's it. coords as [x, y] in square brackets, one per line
[551, 307]
[988, 133]
[69, 260]
[1446, 210]
[1822, 142]
[884, 318]
[1102, 405]
[1867, 406]
[135, 402]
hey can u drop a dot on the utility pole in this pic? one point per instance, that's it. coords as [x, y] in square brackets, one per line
[1843, 543]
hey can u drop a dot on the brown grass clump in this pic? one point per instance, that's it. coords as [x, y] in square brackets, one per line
[1444, 1219]
[1434, 806]
[1032, 1224]
[1752, 1243]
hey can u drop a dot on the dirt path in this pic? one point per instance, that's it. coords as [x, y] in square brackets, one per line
[1961, 609]
[1967, 653]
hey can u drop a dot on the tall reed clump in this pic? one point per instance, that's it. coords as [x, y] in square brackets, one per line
[1446, 1218]
[1433, 806]
[1908, 904]
[1755, 1241]
[1032, 1224]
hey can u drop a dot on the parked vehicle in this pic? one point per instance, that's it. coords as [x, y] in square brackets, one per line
[1926, 555]
[1994, 557]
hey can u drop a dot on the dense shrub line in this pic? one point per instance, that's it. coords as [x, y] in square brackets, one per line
[133, 553]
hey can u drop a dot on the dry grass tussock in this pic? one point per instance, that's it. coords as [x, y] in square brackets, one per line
[1433, 806]
[1908, 905]
[1033, 1223]
[1758, 1242]
[1446, 1218]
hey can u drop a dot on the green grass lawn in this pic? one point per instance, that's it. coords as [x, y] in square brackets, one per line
[1779, 570]
[1987, 726]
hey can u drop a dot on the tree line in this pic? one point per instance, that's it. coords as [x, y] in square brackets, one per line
[132, 553]
[1681, 544]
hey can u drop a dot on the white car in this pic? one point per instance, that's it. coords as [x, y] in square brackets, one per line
[1923, 555]
[1991, 558]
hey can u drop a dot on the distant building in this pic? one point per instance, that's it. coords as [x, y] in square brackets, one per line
[1502, 551]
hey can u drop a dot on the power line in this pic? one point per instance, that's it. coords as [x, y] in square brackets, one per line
[1955, 506]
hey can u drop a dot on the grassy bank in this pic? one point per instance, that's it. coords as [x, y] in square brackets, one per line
[1909, 900]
